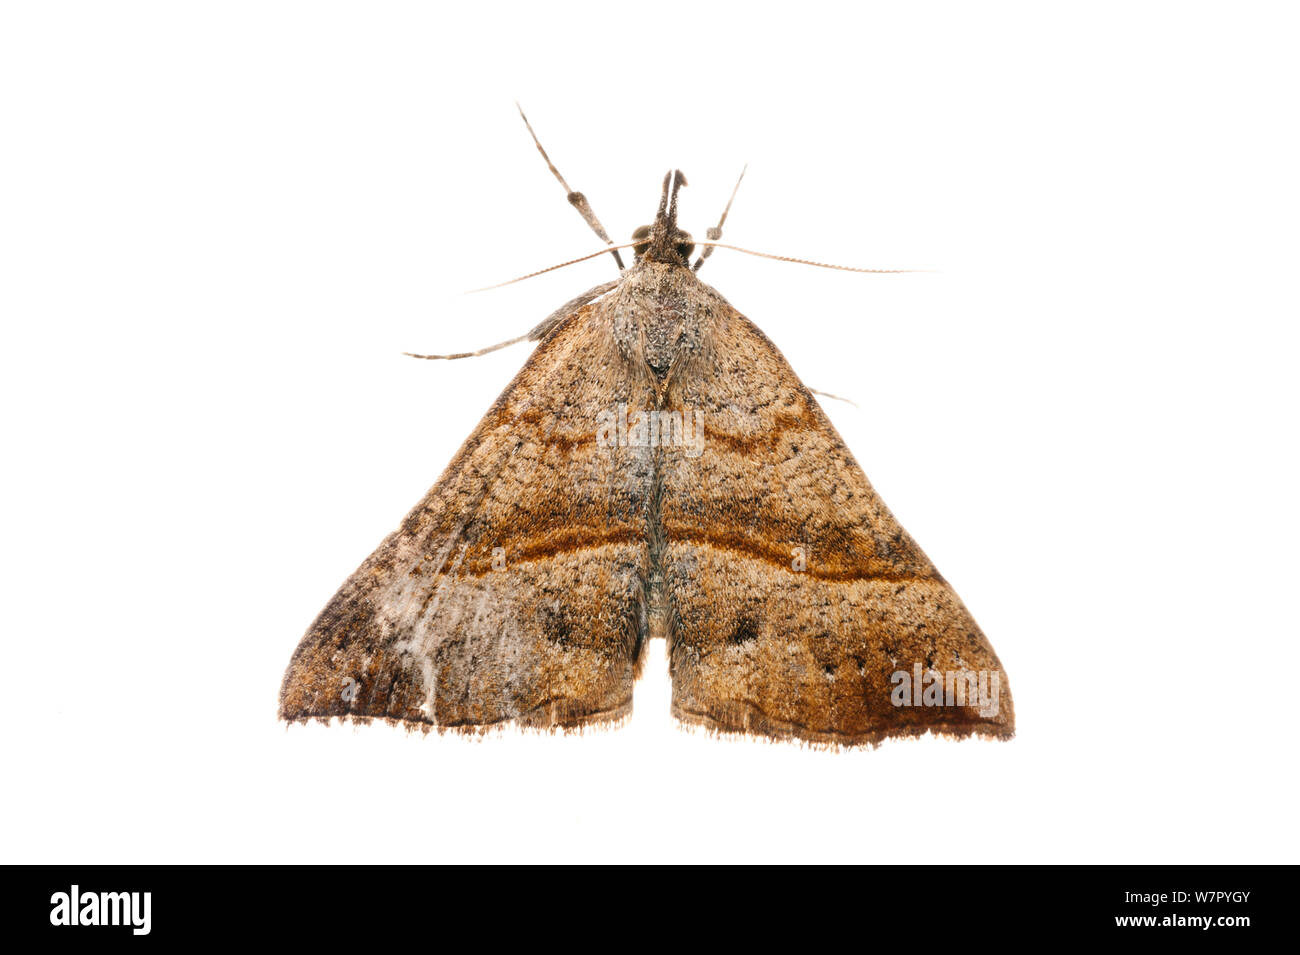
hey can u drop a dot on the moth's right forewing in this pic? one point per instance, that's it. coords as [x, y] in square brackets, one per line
[797, 597]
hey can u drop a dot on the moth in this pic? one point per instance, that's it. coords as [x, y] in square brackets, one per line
[655, 470]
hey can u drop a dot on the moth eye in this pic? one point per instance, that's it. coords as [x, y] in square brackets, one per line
[641, 233]
[685, 245]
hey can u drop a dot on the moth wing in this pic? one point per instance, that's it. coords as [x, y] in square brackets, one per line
[797, 599]
[514, 591]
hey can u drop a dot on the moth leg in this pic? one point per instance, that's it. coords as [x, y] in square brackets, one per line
[543, 329]
[576, 199]
[715, 233]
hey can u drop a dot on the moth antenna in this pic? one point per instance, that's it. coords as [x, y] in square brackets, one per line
[720, 245]
[820, 265]
[824, 394]
[486, 288]
[715, 233]
[576, 199]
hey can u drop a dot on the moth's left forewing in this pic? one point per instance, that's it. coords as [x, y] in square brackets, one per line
[514, 591]
[799, 605]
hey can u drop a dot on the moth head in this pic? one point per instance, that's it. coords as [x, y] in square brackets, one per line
[680, 246]
[663, 241]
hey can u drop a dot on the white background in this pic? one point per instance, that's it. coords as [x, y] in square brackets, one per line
[221, 223]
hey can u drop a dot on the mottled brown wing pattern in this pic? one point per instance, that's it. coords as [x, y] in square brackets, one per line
[515, 590]
[796, 597]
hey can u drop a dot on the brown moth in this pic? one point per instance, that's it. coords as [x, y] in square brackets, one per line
[655, 469]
